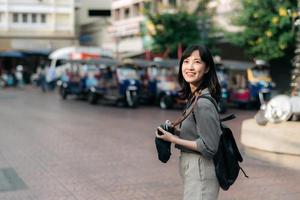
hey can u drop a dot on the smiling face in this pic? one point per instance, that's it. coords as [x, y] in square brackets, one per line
[193, 70]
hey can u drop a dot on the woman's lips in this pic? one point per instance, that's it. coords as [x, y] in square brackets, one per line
[190, 73]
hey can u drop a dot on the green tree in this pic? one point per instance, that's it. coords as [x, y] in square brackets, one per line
[267, 28]
[180, 27]
[172, 30]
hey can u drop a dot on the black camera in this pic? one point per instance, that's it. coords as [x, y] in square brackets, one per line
[167, 126]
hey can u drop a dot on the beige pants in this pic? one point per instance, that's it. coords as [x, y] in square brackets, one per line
[199, 177]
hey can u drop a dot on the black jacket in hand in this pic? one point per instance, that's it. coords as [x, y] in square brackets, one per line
[163, 147]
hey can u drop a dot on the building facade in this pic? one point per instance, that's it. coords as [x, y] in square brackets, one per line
[92, 20]
[37, 25]
[125, 29]
[127, 16]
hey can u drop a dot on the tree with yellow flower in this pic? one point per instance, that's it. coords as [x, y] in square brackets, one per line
[267, 28]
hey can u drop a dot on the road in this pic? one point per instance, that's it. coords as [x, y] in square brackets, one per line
[70, 150]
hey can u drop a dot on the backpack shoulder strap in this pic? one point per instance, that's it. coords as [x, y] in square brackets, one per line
[229, 117]
[211, 100]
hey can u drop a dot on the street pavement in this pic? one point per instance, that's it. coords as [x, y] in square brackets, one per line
[51, 149]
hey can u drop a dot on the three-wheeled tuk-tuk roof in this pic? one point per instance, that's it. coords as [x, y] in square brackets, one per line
[146, 63]
[166, 63]
[242, 65]
[101, 61]
[137, 62]
[236, 65]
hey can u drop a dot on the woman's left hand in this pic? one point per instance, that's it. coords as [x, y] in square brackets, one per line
[167, 136]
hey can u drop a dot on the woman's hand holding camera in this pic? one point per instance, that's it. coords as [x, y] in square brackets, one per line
[165, 135]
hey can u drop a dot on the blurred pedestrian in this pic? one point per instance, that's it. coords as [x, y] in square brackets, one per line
[199, 135]
[41, 73]
[19, 76]
[50, 78]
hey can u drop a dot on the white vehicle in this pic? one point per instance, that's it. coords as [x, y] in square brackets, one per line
[58, 56]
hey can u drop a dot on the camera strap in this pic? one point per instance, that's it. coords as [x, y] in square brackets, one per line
[188, 110]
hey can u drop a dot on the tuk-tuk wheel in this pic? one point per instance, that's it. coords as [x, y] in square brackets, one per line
[165, 102]
[120, 103]
[92, 98]
[63, 93]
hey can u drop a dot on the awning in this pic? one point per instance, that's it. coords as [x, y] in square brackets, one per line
[11, 54]
[37, 53]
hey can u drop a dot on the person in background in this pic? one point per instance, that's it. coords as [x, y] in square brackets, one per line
[41, 73]
[50, 78]
[19, 76]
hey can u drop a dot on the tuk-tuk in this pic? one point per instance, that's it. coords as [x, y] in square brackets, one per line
[163, 85]
[250, 84]
[158, 81]
[141, 66]
[77, 76]
[72, 79]
[117, 83]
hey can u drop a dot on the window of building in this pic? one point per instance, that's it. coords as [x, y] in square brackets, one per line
[136, 8]
[43, 18]
[24, 17]
[117, 14]
[33, 18]
[15, 17]
[97, 13]
[126, 13]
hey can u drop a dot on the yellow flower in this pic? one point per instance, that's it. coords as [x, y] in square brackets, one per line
[275, 20]
[251, 42]
[160, 27]
[268, 33]
[282, 46]
[258, 41]
[282, 12]
[294, 14]
[151, 28]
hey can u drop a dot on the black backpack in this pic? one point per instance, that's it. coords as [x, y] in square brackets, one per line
[227, 157]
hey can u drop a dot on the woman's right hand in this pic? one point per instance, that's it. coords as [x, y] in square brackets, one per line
[166, 136]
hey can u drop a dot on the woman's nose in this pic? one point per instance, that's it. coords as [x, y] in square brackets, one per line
[191, 65]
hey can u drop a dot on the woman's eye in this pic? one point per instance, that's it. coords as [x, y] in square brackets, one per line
[185, 61]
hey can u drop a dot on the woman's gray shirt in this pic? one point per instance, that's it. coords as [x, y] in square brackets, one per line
[203, 127]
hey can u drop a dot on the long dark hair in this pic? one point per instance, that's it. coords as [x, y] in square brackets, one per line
[209, 80]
